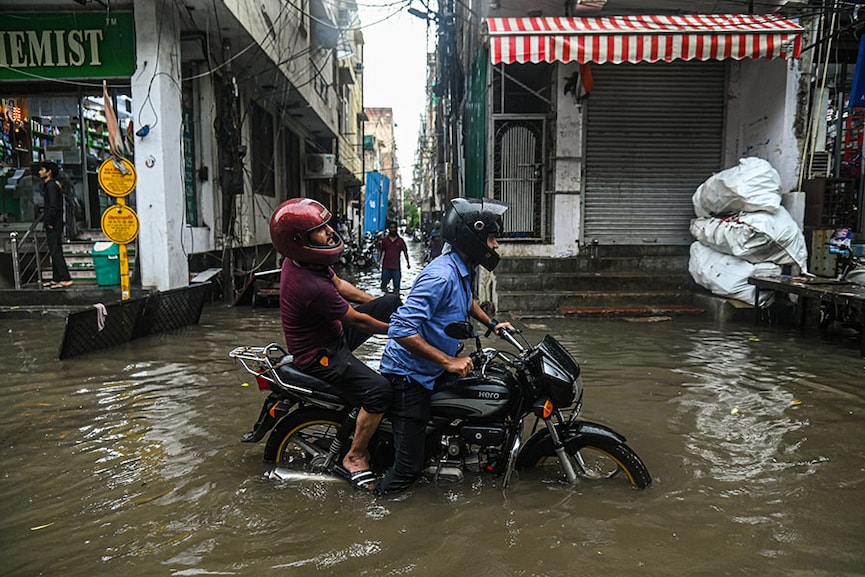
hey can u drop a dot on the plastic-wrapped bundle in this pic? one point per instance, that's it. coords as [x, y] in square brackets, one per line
[755, 237]
[751, 186]
[726, 275]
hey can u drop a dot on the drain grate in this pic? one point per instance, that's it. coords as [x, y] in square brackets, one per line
[131, 319]
[170, 310]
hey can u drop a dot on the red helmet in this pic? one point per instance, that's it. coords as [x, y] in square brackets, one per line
[290, 225]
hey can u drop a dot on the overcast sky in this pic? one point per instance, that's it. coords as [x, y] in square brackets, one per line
[395, 71]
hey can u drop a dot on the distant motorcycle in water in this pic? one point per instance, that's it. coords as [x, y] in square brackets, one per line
[478, 421]
[347, 256]
[360, 257]
[850, 269]
[363, 257]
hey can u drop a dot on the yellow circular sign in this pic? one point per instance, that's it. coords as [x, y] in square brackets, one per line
[120, 224]
[115, 179]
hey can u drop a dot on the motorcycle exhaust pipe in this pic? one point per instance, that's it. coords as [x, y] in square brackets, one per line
[288, 476]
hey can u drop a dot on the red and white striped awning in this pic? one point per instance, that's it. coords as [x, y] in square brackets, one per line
[634, 39]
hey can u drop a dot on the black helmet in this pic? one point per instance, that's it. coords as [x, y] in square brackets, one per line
[467, 225]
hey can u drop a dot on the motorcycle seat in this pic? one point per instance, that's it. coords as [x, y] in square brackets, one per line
[288, 373]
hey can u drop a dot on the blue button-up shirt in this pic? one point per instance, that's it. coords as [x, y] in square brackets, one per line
[441, 295]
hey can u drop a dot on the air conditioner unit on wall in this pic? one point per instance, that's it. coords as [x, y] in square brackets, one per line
[319, 165]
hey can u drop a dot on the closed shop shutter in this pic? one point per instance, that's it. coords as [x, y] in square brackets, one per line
[654, 133]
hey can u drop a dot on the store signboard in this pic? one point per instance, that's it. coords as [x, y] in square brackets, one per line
[35, 46]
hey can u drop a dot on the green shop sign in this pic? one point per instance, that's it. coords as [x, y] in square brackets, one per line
[70, 45]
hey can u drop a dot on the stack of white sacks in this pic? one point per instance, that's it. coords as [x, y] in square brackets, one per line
[742, 230]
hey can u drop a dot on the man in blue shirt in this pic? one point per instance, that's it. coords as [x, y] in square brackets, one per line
[419, 351]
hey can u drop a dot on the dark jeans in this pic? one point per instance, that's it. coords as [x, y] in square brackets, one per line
[362, 386]
[409, 416]
[59, 270]
[388, 275]
[380, 308]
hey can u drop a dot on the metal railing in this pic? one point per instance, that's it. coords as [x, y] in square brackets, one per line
[28, 253]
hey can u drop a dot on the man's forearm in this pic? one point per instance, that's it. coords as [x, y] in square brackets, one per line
[478, 313]
[368, 324]
[419, 346]
[350, 292]
[364, 322]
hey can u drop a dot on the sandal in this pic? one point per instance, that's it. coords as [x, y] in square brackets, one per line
[363, 480]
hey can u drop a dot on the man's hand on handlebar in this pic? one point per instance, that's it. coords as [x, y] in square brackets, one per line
[459, 365]
[497, 327]
[505, 325]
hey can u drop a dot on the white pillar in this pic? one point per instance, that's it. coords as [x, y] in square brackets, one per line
[156, 99]
[569, 166]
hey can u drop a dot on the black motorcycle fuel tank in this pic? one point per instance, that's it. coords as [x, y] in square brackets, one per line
[473, 396]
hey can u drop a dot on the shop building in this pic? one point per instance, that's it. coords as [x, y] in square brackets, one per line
[596, 121]
[226, 109]
[599, 127]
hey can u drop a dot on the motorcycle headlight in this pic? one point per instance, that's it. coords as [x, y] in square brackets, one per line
[578, 388]
[558, 374]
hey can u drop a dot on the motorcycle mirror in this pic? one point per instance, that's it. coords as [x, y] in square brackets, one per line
[460, 330]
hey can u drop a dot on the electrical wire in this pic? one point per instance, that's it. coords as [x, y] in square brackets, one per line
[840, 7]
[78, 83]
[401, 4]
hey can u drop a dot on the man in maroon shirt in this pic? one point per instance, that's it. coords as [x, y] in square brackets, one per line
[389, 250]
[321, 327]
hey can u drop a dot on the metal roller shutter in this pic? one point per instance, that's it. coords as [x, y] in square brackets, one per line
[654, 133]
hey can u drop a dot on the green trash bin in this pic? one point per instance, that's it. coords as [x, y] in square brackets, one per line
[106, 262]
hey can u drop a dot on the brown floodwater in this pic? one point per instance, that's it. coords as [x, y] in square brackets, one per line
[128, 462]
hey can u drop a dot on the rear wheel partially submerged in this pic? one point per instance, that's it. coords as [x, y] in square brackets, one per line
[302, 440]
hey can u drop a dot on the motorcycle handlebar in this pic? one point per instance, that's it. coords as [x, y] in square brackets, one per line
[508, 336]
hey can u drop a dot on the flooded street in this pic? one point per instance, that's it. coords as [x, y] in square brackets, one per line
[128, 462]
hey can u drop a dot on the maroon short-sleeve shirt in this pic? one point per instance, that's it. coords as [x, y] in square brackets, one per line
[311, 310]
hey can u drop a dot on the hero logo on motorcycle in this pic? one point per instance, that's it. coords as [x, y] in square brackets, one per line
[477, 422]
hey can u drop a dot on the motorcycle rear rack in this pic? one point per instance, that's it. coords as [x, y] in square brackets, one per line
[263, 362]
[266, 360]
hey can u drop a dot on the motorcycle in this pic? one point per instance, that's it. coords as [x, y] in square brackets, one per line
[363, 257]
[850, 269]
[347, 256]
[477, 423]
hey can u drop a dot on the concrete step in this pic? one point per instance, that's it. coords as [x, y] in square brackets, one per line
[600, 281]
[85, 248]
[626, 299]
[79, 260]
[584, 264]
[561, 301]
[592, 281]
[91, 234]
[38, 303]
[645, 311]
